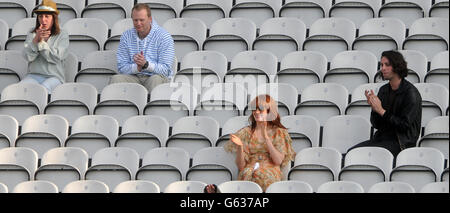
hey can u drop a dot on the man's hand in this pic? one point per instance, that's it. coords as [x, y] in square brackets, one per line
[140, 60]
[374, 102]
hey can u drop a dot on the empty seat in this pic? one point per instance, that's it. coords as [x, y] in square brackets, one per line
[428, 35]
[185, 187]
[231, 126]
[240, 187]
[444, 175]
[289, 187]
[438, 187]
[252, 69]
[439, 9]
[86, 35]
[256, 10]
[316, 166]
[284, 94]
[9, 130]
[407, 11]
[143, 133]
[137, 186]
[97, 68]
[308, 11]
[208, 11]
[304, 131]
[86, 186]
[302, 69]
[163, 10]
[13, 68]
[194, 133]
[436, 135]
[438, 72]
[116, 33]
[340, 187]
[93, 132]
[417, 65]
[231, 36]
[17, 164]
[72, 101]
[323, 101]
[13, 11]
[3, 188]
[43, 132]
[113, 166]
[330, 36]
[222, 101]
[35, 187]
[367, 166]
[213, 165]
[357, 11]
[434, 100]
[69, 9]
[23, 100]
[19, 34]
[62, 166]
[109, 11]
[352, 69]
[4, 34]
[70, 65]
[281, 36]
[164, 166]
[391, 187]
[358, 104]
[380, 34]
[172, 101]
[418, 166]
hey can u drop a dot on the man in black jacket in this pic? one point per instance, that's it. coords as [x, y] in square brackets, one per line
[397, 110]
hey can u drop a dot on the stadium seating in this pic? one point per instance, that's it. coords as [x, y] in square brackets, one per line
[17, 164]
[289, 187]
[391, 187]
[231, 126]
[185, 187]
[240, 187]
[19, 34]
[13, 68]
[13, 11]
[208, 11]
[163, 10]
[256, 10]
[438, 72]
[407, 11]
[137, 186]
[96, 68]
[35, 187]
[434, 100]
[340, 187]
[116, 32]
[438, 187]
[306, 10]
[304, 131]
[357, 11]
[8, 131]
[109, 11]
[4, 34]
[436, 135]
[86, 186]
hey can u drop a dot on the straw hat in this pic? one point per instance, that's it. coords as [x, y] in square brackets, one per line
[46, 6]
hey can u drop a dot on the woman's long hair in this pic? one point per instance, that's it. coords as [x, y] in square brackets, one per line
[265, 102]
[55, 26]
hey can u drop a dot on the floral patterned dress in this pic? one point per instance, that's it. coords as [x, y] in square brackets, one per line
[256, 151]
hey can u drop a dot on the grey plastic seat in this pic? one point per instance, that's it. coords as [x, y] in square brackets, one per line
[13, 68]
[284, 94]
[417, 65]
[436, 135]
[256, 10]
[240, 187]
[19, 33]
[308, 11]
[163, 10]
[289, 187]
[208, 11]
[407, 11]
[358, 104]
[9, 129]
[109, 11]
[86, 186]
[4, 35]
[97, 68]
[70, 64]
[69, 9]
[340, 187]
[304, 131]
[17, 164]
[3, 188]
[231, 126]
[434, 100]
[439, 9]
[137, 186]
[438, 187]
[185, 187]
[116, 32]
[438, 72]
[391, 187]
[35, 187]
[13, 11]
[356, 10]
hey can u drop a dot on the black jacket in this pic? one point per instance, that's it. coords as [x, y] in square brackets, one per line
[405, 115]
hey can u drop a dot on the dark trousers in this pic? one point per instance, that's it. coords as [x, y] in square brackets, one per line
[392, 146]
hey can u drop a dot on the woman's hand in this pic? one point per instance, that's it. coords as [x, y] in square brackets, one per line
[235, 139]
[41, 35]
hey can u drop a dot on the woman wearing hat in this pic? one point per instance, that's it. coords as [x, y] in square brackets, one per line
[46, 48]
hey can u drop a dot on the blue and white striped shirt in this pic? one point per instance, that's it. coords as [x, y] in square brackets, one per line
[158, 49]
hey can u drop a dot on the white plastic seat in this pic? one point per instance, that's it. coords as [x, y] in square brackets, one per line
[4, 34]
[213, 165]
[62, 166]
[3, 188]
[357, 11]
[70, 65]
[222, 101]
[19, 34]
[302, 69]
[289, 187]
[43, 132]
[137, 186]
[23, 100]
[407, 11]
[194, 133]
[304, 131]
[308, 11]
[143, 133]
[172, 101]
[86, 35]
[367, 166]
[164, 166]
[9, 130]
[352, 69]
[281, 36]
[17, 164]
[69, 9]
[231, 36]
[13, 11]
[438, 72]
[417, 65]
[284, 94]
[316, 165]
[380, 34]
[240, 187]
[438, 187]
[439, 9]
[72, 101]
[208, 11]
[340, 187]
[358, 104]
[434, 100]
[252, 69]
[445, 174]
[113, 166]
[35, 187]
[428, 35]
[116, 32]
[185, 187]
[109, 11]
[97, 68]
[330, 36]
[163, 10]
[418, 166]
[256, 10]
[86, 186]
[391, 187]
[231, 126]
[13, 68]
[436, 135]
[93, 132]
[322, 101]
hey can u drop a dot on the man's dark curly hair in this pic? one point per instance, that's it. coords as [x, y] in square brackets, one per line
[397, 61]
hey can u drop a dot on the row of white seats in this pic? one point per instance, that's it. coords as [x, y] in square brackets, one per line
[366, 166]
[140, 186]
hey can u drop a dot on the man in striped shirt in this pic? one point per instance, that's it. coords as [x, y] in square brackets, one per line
[146, 53]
